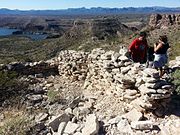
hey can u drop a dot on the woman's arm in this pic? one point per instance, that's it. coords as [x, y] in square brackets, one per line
[157, 47]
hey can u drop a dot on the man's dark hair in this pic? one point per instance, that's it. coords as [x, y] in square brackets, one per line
[142, 34]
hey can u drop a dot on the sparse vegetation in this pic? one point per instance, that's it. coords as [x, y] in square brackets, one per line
[52, 95]
[7, 79]
[175, 51]
[176, 80]
[16, 123]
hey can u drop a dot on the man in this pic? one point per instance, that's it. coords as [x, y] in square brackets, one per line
[138, 48]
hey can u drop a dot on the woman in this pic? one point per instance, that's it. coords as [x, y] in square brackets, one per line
[160, 50]
[138, 48]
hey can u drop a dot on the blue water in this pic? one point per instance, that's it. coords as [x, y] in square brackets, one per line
[8, 32]
[36, 36]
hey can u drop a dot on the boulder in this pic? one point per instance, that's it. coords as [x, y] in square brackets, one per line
[133, 115]
[54, 122]
[91, 125]
[71, 128]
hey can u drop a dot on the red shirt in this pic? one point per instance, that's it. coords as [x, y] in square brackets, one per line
[138, 50]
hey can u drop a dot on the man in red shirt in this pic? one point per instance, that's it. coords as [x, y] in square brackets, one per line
[138, 48]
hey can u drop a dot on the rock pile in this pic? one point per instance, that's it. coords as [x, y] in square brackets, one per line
[31, 68]
[73, 64]
[115, 73]
[105, 74]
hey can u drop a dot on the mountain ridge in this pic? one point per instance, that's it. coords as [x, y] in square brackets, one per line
[91, 11]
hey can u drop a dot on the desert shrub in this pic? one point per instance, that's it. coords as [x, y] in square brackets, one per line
[175, 51]
[176, 80]
[16, 125]
[53, 95]
[7, 79]
[11, 89]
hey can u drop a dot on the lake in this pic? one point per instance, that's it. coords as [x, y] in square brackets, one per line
[7, 31]
[33, 36]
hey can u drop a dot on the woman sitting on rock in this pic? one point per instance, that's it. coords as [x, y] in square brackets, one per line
[160, 50]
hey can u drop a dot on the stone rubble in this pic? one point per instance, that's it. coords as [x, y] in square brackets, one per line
[101, 80]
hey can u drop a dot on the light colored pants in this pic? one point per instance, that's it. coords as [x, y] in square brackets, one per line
[160, 60]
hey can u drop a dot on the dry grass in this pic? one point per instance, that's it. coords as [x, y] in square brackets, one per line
[15, 122]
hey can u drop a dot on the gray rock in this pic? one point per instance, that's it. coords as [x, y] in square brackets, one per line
[35, 98]
[78, 133]
[61, 127]
[156, 85]
[115, 57]
[39, 75]
[150, 79]
[57, 86]
[68, 111]
[71, 128]
[151, 72]
[124, 127]
[159, 96]
[163, 91]
[133, 115]
[91, 125]
[160, 111]
[75, 102]
[124, 70]
[130, 97]
[127, 79]
[144, 90]
[178, 58]
[123, 58]
[54, 123]
[41, 117]
[123, 51]
[116, 70]
[167, 87]
[142, 125]
[115, 120]
[38, 127]
[139, 82]
[106, 56]
[130, 92]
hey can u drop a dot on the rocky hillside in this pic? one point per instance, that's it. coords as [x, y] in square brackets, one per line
[164, 20]
[165, 24]
[92, 93]
[101, 29]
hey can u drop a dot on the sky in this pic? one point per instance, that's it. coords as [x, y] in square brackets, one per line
[64, 4]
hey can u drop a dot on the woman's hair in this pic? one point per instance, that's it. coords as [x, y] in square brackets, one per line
[163, 38]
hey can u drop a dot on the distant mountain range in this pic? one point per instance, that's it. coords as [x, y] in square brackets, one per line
[91, 11]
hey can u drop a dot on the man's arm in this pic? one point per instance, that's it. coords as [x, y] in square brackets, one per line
[132, 46]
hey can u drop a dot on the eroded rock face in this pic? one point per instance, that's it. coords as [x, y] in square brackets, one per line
[164, 20]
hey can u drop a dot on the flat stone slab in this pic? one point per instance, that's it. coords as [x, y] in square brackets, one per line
[142, 125]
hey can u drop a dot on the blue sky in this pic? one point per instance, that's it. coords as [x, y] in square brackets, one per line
[64, 4]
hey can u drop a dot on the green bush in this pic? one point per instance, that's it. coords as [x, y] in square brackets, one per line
[176, 80]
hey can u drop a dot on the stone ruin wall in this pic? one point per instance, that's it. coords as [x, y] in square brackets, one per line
[108, 71]
[113, 72]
